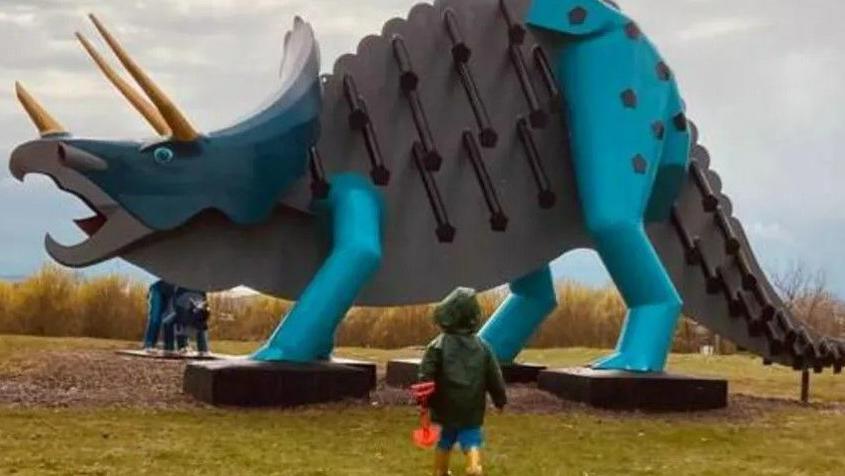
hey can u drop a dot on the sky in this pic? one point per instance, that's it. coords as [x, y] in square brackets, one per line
[761, 78]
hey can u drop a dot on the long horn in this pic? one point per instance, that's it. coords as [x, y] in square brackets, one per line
[182, 129]
[147, 109]
[45, 123]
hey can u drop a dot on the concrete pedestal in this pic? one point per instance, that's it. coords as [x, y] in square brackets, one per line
[403, 372]
[247, 383]
[618, 390]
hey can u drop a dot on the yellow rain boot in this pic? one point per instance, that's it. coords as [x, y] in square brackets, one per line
[474, 463]
[441, 463]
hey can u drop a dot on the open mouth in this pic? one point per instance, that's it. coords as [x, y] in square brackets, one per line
[110, 229]
[91, 225]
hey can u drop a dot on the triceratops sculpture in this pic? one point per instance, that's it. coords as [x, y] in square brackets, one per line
[469, 144]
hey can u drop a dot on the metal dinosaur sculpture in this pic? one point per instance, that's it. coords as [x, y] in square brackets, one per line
[467, 145]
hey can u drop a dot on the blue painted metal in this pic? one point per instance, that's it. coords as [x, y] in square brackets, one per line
[354, 208]
[156, 300]
[240, 172]
[618, 90]
[532, 298]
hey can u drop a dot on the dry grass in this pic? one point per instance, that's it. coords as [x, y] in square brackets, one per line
[55, 302]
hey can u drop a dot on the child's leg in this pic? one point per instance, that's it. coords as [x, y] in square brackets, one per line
[168, 325]
[202, 340]
[443, 452]
[441, 462]
[181, 337]
[474, 462]
[471, 440]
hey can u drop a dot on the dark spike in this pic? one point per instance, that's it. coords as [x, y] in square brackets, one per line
[460, 51]
[816, 350]
[732, 244]
[445, 231]
[358, 117]
[460, 57]
[789, 331]
[775, 338]
[801, 345]
[546, 197]
[690, 251]
[379, 172]
[764, 300]
[359, 120]
[826, 349]
[432, 161]
[709, 199]
[545, 68]
[539, 118]
[408, 79]
[710, 276]
[730, 294]
[498, 219]
[319, 186]
[755, 324]
[516, 31]
[749, 279]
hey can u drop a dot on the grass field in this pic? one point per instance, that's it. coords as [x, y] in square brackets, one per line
[764, 432]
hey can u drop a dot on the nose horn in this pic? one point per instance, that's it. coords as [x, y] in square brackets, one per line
[80, 160]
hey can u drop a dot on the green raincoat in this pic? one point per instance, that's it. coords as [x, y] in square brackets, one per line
[462, 366]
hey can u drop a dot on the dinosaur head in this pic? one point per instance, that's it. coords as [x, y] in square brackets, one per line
[140, 188]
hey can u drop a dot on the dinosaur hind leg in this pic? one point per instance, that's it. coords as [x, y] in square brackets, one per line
[653, 302]
[531, 300]
[307, 332]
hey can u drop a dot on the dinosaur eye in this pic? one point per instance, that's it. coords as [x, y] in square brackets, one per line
[163, 155]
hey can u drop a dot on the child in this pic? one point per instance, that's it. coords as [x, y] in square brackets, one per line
[187, 315]
[464, 370]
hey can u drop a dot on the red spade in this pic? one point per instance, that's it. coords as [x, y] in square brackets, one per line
[427, 434]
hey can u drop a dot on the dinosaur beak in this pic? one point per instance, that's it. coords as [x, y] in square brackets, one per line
[110, 229]
[80, 160]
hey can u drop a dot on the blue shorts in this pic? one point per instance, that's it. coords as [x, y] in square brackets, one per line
[468, 438]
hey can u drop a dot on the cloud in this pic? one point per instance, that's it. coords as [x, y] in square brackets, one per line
[17, 19]
[771, 232]
[720, 27]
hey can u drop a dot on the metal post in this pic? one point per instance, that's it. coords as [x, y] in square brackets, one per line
[805, 386]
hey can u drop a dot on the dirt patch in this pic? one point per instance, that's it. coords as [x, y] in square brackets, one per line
[95, 379]
[105, 379]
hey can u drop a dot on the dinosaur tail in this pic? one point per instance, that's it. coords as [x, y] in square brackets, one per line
[723, 286]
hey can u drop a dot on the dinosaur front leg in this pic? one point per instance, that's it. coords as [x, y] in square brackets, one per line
[307, 333]
[531, 300]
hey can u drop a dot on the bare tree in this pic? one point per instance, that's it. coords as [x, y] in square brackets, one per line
[806, 295]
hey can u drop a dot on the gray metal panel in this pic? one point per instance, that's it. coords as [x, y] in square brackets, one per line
[416, 267]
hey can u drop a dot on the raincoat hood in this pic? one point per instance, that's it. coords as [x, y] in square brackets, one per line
[459, 312]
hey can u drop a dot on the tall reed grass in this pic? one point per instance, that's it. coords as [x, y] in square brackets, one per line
[56, 302]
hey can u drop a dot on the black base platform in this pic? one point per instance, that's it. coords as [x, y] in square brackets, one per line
[247, 383]
[617, 390]
[402, 373]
